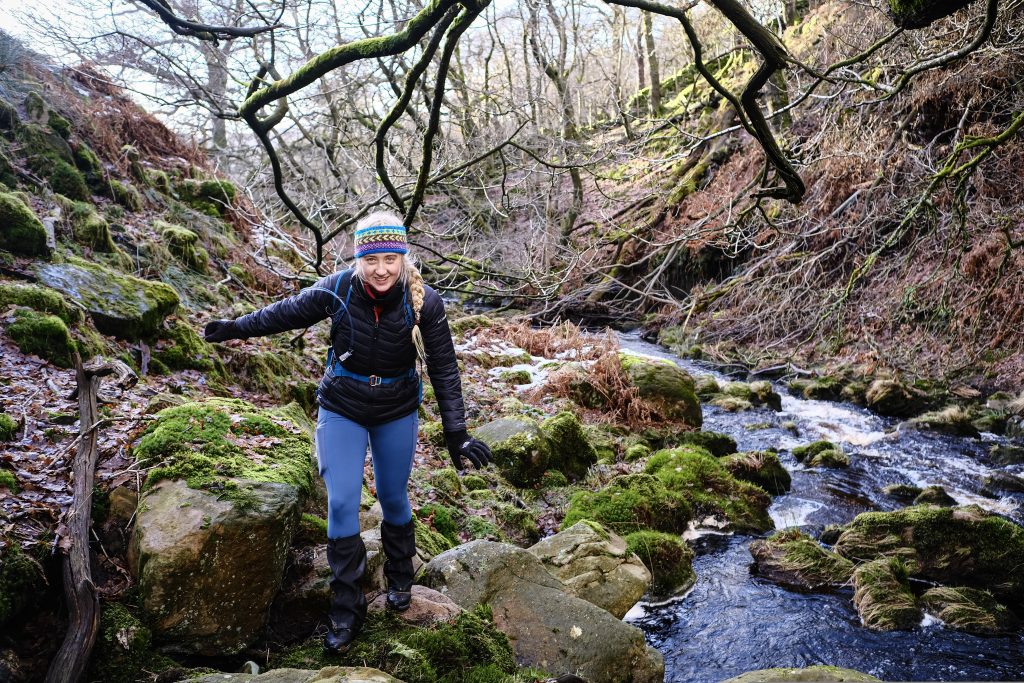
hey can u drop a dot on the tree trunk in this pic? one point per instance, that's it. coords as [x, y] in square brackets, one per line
[652, 63]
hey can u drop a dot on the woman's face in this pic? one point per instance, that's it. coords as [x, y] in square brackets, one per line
[381, 270]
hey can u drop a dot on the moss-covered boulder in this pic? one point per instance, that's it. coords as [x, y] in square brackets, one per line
[629, 503]
[962, 546]
[43, 335]
[664, 384]
[737, 396]
[89, 164]
[66, 180]
[969, 609]
[546, 627]
[124, 647]
[810, 674]
[125, 194]
[42, 299]
[905, 493]
[883, 597]
[120, 305]
[827, 388]
[9, 118]
[821, 454]
[793, 559]
[181, 348]
[920, 13]
[520, 449]
[667, 557]
[184, 245]
[935, 495]
[894, 398]
[212, 197]
[21, 231]
[595, 565]
[715, 443]
[954, 420]
[571, 451]
[90, 229]
[711, 489]
[759, 467]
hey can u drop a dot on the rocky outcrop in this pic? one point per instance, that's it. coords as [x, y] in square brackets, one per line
[593, 564]
[794, 559]
[547, 628]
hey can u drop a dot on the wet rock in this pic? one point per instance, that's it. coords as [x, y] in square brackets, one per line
[830, 534]
[824, 389]
[1007, 454]
[711, 489]
[794, 559]
[935, 495]
[669, 559]
[962, 546]
[815, 674]
[428, 607]
[208, 568]
[953, 420]
[905, 493]
[520, 449]
[969, 609]
[883, 597]
[330, 674]
[547, 628]
[894, 399]
[821, 454]
[739, 396]
[594, 565]
[1002, 482]
[665, 384]
[759, 467]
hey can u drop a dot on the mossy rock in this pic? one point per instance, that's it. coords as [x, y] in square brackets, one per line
[716, 443]
[121, 305]
[954, 420]
[469, 649]
[481, 529]
[20, 581]
[824, 389]
[89, 164]
[125, 194]
[21, 231]
[7, 478]
[9, 118]
[667, 557]
[211, 197]
[911, 14]
[629, 503]
[181, 348]
[519, 448]
[894, 398]
[515, 377]
[964, 546]
[44, 335]
[460, 326]
[210, 445]
[706, 387]
[637, 451]
[665, 384]
[441, 519]
[430, 543]
[810, 674]
[571, 451]
[159, 180]
[447, 481]
[42, 299]
[474, 482]
[904, 493]
[759, 467]
[184, 245]
[8, 428]
[793, 559]
[935, 495]
[518, 524]
[433, 431]
[282, 375]
[124, 648]
[821, 454]
[754, 394]
[35, 107]
[883, 597]
[90, 229]
[65, 179]
[42, 147]
[711, 489]
[969, 609]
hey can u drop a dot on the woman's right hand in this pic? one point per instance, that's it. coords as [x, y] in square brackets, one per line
[221, 330]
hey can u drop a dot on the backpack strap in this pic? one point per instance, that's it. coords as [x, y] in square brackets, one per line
[342, 308]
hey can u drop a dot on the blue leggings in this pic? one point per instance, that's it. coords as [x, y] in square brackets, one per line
[341, 453]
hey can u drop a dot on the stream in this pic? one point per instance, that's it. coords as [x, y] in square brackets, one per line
[731, 622]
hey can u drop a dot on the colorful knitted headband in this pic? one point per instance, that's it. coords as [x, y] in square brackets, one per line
[377, 239]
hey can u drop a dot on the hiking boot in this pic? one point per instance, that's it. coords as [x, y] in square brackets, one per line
[399, 544]
[347, 559]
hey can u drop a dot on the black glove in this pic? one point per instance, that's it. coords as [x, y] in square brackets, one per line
[462, 445]
[221, 330]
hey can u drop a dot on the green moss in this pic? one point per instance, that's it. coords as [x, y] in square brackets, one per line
[480, 528]
[516, 376]
[637, 451]
[442, 518]
[60, 125]
[91, 229]
[794, 559]
[268, 372]
[714, 442]
[474, 482]
[183, 244]
[810, 450]
[430, 542]
[35, 107]
[7, 478]
[759, 467]
[630, 503]
[125, 194]
[211, 197]
[902, 492]
[42, 299]
[519, 449]
[186, 350]
[667, 556]
[160, 181]
[43, 335]
[829, 458]
[446, 479]
[883, 596]
[969, 609]
[664, 383]
[824, 389]
[8, 427]
[124, 648]
[21, 231]
[204, 444]
[89, 164]
[65, 179]
[519, 524]
[934, 495]
[553, 479]
[571, 451]
[468, 650]
[710, 489]
[20, 579]
[312, 530]
[9, 118]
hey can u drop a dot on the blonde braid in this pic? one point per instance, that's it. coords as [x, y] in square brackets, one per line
[417, 293]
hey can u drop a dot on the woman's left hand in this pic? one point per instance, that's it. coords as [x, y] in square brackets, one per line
[462, 445]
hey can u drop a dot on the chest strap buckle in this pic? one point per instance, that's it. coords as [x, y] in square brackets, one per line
[376, 380]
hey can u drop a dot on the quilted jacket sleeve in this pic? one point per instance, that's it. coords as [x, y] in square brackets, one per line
[308, 307]
[442, 367]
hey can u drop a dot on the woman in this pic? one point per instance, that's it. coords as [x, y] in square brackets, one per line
[386, 325]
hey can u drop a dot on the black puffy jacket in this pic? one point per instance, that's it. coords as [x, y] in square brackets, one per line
[378, 347]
